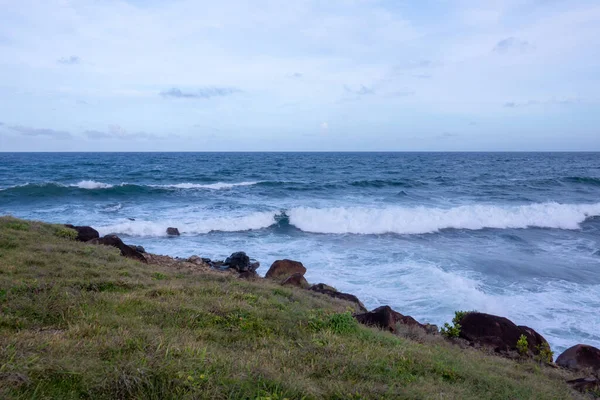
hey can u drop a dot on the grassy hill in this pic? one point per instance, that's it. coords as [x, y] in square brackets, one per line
[79, 321]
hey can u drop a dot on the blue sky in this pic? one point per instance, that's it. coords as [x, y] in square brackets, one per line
[90, 75]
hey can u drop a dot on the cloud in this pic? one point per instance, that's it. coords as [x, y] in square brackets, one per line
[73, 60]
[118, 132]
[1, 123]
[559, 102]
[512, 44]
[51, 133]
[448, 135]
[423, 76]
[202, 93]
[297, 75]
[401, 93]
[324, 126]
[361, 91]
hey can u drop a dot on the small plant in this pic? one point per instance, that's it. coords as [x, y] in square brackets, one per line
[18, 226]
[159, 276]
[545, 355]
[523, 345]
[453, 331]
[66, 233]
[342, 323]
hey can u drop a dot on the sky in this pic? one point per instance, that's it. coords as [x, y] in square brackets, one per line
[300, 75]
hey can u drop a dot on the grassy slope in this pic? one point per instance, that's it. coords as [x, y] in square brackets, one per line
[79, 321]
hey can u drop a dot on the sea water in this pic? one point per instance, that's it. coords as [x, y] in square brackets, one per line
[513, 234]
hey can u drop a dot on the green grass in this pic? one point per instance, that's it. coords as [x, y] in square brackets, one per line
[81, 322]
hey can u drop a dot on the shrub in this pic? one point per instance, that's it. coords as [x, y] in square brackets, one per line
[522, 345]
[545, 355]
[342, 323]
[453, 331]
[66, 233]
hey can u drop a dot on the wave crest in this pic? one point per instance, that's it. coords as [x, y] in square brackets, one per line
[419, 220]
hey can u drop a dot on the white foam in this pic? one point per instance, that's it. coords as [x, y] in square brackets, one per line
[92, 185]
[418, 220]
[214, 186]
[252, 221]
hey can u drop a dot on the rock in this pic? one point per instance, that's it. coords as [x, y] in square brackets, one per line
[322, 286]
[319, 288]
[249, 275]
[173, 231]
[297, 280]
[385, 318]
[139, 249]
[499, 333]
[131, 219]
[197, 260]
[585, 385]
[241, 262]
[84, 233]
[282, 269]
[115, 241]
[431, 329]
[580, 357]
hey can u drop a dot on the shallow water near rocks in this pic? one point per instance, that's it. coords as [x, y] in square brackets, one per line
[513, 234]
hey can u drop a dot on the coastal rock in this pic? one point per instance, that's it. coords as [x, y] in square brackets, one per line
[322, 286]
[319, 288]
[84, 233]
[297, 280]
[499, 333]
[282, 269]
[139, 249]
[198, 260]
[580, 357]
[241, 262]
[585, 385]
[115, 241]
[249, 275]
[385, 318]
[173, 231]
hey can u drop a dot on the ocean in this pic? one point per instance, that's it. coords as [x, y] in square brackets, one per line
[512, 234]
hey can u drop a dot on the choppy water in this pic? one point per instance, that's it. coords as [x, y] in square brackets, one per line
[515, 234]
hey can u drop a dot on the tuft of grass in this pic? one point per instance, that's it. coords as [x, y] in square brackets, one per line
[523, 345]
[80, 321]
[66, 233]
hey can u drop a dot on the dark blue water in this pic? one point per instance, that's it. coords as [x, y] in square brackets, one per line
[515, 234]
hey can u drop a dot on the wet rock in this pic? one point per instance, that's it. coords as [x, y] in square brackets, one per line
[241, 262]
[319, 288]
[173, 231]
[580, 357]
[498, 333]
[385, 318]
[297, 280]
[322, 286]
[282, 269]
[115, 241]
[84, 233]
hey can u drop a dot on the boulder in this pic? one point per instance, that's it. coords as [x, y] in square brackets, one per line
[297, 280]
[173, 231]
[241, 262]
[499, 333]
[139, 249]
[585, 385]
[320, 288]
[385, 318]
[249, 275]
[115, 241]
[580, 357]
[282, 269]
[84, 233]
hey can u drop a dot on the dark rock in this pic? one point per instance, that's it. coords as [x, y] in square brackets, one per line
[322, 286]
[580, 357]
[131, 219]
[139, 249]
[297, 280]
[115, 241]
[173, 231]
[281, 269]
[319, 288]
[499, 333]
[250, 275]
[585, 385]
[386, 318]
[84, 233]
[241, 262]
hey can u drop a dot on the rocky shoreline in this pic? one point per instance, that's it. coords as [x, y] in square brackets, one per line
[491, 333]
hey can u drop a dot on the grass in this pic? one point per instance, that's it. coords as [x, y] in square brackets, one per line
[81, 322]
